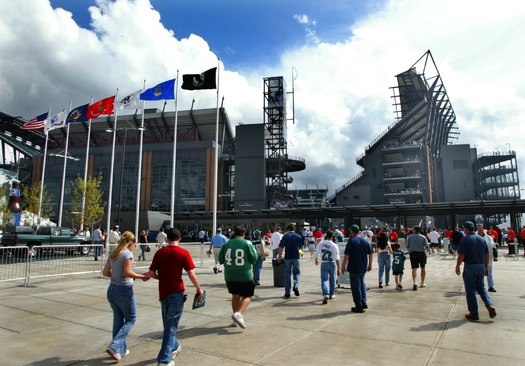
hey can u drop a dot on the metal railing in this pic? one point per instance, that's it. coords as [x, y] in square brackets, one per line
[21, 264]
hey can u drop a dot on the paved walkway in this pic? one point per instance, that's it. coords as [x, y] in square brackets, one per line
[67, 321]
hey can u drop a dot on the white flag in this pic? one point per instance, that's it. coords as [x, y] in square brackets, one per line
[131, 101]
[57, 121]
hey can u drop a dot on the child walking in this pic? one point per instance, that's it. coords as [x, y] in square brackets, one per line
[398, 265]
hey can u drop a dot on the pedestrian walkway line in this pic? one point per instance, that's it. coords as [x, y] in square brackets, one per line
[432, 354]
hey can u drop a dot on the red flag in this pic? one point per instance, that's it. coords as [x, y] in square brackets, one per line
[104, 106]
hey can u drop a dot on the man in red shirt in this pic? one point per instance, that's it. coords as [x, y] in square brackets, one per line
[167, 266]
[318, 235]
[522, 236]
[393, 236]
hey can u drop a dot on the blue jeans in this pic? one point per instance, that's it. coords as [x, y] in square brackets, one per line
[122, 301]
[383, 260]
[328, 277]
[357, 283]
[291, 266]
[172, 307]
[257, 267]
[474, 280]
[490, 278]
[142, 251]
[96, 249]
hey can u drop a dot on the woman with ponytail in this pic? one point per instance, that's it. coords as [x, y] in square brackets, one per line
[120, 293]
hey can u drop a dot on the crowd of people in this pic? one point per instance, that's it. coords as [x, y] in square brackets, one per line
[240, 256]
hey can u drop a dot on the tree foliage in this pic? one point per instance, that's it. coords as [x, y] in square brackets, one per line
[5, 213]
[93, 207]
[31, 195]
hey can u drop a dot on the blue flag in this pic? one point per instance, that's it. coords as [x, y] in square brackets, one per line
[79, 114]
[165, 90]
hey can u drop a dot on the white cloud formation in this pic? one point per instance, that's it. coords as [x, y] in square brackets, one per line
[342, 95]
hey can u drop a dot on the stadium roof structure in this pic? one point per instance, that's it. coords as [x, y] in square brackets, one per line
[158, 123]
[27, 142]
[483, 207]
[423, 112]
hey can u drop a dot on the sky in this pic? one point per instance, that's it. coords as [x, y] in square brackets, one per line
[344, 53]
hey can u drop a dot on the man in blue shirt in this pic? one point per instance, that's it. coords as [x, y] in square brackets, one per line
[291, 243]
[217, 241]
[358, 260]
[473, 251]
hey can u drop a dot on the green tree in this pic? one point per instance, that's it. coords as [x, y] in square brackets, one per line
[93, 207]
[31, 196]
[6, 216]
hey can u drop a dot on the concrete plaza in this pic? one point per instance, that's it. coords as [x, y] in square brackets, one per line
[67, 321]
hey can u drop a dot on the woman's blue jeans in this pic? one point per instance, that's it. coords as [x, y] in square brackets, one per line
[122, 301]
[257, 267]
[383, 260]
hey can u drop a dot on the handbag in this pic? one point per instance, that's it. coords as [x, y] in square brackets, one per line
[262, 249]
[148, 249]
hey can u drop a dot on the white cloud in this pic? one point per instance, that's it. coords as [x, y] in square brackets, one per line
[46, 60]
[301, 18]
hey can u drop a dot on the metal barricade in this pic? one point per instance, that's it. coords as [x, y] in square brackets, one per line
[15, 263]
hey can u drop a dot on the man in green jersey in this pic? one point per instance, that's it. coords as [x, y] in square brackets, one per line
[238, 256]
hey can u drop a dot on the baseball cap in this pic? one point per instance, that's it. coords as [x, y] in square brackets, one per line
[354, 228]
[468, 225]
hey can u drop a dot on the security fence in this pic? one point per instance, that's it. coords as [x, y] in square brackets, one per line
[21, 264]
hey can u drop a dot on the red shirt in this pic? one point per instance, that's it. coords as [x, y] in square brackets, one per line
[522, 234]
[168, 262]
[448, 233]
[318, 234]
[511, 235]
[393, 236]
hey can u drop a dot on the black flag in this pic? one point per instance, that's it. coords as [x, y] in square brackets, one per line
[206, 80]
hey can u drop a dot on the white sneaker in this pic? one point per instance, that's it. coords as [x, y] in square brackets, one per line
[127, 353]
[177, 351]
[171, 363]
[239, 319]
[423, 284]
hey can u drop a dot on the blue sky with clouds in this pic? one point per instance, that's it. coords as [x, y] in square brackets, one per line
[345, 53]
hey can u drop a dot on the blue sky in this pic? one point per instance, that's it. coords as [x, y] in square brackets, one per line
[346, 54]
[243, 32]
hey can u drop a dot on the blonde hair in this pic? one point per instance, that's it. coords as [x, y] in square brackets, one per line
[127, 238]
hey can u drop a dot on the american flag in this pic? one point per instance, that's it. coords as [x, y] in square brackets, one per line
[35, 123]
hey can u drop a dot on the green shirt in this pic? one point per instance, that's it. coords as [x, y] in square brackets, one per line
[238, 256]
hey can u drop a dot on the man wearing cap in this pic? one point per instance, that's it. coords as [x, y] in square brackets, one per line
[357, 261]
[473, 251]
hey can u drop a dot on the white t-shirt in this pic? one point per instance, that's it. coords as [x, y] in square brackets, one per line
[434, 237]
[161, 238]
[113, 237]
[276, 239]
[327, 251]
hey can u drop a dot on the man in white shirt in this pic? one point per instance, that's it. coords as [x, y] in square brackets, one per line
[433, 235]
[161, 238]
[113, 236]
[276, 239]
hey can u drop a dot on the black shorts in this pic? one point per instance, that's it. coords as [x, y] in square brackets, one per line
[244, 289]
[418, 259]
[434, 244]
[397, 273]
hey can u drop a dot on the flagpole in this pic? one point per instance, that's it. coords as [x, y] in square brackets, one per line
[174, 168]
[216, 172]
[85, 173]
[139, 173]
[112, 166]
[43, 173]
[61, 205]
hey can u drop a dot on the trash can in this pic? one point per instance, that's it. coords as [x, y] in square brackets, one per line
[278, 273]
